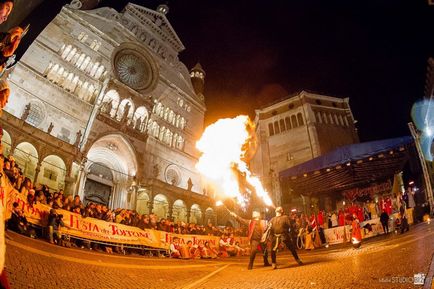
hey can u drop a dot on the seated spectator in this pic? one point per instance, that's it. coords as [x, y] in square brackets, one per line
[226, 249]
[211, 251]
[193, 249]
[240, 251]
[175, 248]
[17, 222]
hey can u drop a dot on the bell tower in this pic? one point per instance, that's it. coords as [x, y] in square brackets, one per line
[197, 75]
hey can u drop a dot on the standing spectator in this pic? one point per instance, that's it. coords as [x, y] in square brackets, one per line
[334, 220]
[403, 218]
[384, 219]
[54, 223]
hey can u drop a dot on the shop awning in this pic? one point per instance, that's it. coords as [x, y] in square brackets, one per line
[349, 166]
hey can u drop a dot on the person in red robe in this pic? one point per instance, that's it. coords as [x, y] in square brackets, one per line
[356, 232]
[360, 214]
[341, 218]
[388, 206]
[321, 218]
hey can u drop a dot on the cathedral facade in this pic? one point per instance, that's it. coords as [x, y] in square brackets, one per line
[102, 107]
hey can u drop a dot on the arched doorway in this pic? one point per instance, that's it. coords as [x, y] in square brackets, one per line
[99, 184]
[26, 156]
[209, 216]
[53, 172]
[142, 201]
[161, 206]
[114, 171]
[179, 211]
[6, 143]
[196, 214]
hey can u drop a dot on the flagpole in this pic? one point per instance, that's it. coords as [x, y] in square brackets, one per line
[428, 188]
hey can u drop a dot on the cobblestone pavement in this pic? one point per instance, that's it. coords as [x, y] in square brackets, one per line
[382, 262]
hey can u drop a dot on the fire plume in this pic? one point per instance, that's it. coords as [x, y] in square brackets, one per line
[225, 145]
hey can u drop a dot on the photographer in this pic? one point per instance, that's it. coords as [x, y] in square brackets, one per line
[54, 223]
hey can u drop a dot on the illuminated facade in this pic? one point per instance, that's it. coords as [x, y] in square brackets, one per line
[297, 129]
[102, 106]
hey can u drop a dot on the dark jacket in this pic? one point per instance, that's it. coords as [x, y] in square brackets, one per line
[384, 218]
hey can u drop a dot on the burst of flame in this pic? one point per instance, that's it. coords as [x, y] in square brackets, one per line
[224, 146]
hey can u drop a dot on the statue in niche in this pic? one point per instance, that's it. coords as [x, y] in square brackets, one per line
[125, 112]
[50, 128]
[189, 184]
[77, 138]
[138, 123]
[109, 107]
[26, 112]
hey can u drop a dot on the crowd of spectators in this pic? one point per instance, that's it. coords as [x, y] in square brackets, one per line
[59, 200]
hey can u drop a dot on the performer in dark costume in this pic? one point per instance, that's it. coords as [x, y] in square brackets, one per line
[257, 228]
[280, 227]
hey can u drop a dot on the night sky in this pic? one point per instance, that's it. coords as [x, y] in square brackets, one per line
[374, 52]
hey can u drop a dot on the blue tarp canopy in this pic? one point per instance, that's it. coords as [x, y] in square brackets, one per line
[348, 166]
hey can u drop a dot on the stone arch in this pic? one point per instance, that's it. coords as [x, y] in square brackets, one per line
[179, 211]
[209, 216]
[140, 118]
[125, 104]
[161, 206]
[113, 97]
[53, 172]
[300, 119]
[80, 60]
[143, 201]
[27, 158]
[196, 214]
[100, 71]
[115, 152]
[66, 51]
[6, 143]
